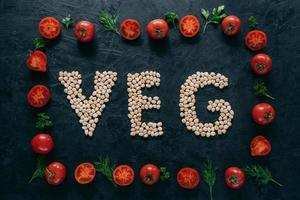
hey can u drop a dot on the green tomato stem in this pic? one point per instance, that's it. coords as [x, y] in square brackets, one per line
[205, 26]
[276, 182]
[269, 96]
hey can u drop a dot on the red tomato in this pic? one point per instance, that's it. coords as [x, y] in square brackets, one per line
[49, 28]
[261, 64]
[263, 113]
[38, 96]
[123, 175]
[55, 173]
[84, 31]
[42, 143]
[189, 26]
[158, 29]
[188, 178]
[234, 177]
[37, 61]
[130, 29]
[260, 146]
[149, 174]
[85, 173]
[256, 40]
[231, 25]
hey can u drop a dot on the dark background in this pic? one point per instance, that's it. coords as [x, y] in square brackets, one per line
[175, 59]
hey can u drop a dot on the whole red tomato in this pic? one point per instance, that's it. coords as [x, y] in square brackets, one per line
[42, 143]
[263, 113]
[158, 29]
[149, 174]
[188, 178]
[84, 31]
[260, 146]
[37, 61]
[55, 173]
[231, 25]
[261, 64]
[256, 40]
[234, 177]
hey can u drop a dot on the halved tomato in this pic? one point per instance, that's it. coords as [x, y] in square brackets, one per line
[37, 61]
[256, 40]
[130, 29]
[189, 26]
[123, 175]
[49, 28]
[188, 178]
[260, 146]
[38, 96]
[85, 173]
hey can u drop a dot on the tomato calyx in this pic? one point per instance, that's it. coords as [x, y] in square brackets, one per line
[82, 32]
[268, 115]
[260, 66]
[234, 179]
[51, 174]
[230, 28]
[158, 31]
[149, 177]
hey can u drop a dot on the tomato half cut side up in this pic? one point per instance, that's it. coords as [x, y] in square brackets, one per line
[256, 40]
[37, 61]
[189, 26]
[130, 29]
[123, 175]
[38, 96]
[85, 173]
[188, 178]
[49, 28]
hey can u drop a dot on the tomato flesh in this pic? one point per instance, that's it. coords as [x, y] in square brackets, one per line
[85, 173]
[261, 64]
[188, 178]
[55, 173]
[130, 29]
[38, 96]
[189, 26]
[123, 175]
[260, 146]
[49, 28]
[42, 143]
[256, 40]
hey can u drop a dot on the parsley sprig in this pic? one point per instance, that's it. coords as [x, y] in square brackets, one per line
[106, 168]
[165, 174]
[262, 175]
[39, 43]
[209, 176]
[215, 17]
[67, 21]
[171, 18]
[108, 21]
[252, 22]
[260, 89]
[40, 168]
[43, 121]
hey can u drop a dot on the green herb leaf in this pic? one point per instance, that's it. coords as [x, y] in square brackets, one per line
[216, 16]
[171, 17]
[39, 43]
[252, 21]
[106, 168]
[209, 176]
[108, 21]
[260, 89]
[43, 121]
[205, 13]
[40, 168]
[165, 174]
[67, 21]
[262, 175]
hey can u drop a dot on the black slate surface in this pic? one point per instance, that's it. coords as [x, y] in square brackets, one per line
[175, 58]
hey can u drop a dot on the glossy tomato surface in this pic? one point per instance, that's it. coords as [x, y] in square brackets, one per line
[38, 96]
[234, 177]
[85, 173]
[263, 113]
[149, 174]
[49, 28]
[189, 26]
[130, 29]
[84, 31]
[231, 25]
[55, 173]
[261, 64]
[37, 61]
[256, 40]
[158, 29]
[42, 143]
[260, 146]
[123, 175]
[188, 178]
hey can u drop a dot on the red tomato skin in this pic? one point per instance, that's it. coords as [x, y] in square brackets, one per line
[124, 25]
[191, 170]
[158, 29]
[127, 168]
[260, 146]
[256, 40]
[181, 22]
[261, 64]
[42, 143]
[37, 61]
[149, 174]
[231, 25]
[46, 98]
[234, 177]
[55, 173]
[263, 113]
[58, 27]
[84, 31]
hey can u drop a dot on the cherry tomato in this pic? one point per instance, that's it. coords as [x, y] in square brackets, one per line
[55, 173]
[42, 143]
[260, 146]
[149, 174]
[234, 177]
[261, 64]
[158, 29]
[38, 96]
[189, 26]
[37, 61]
[84, 31]
[256, 40]
[263, 113]
[188, 178]
[123, 175]
[231, 25]
[130, 29]
[85, 173]
[49, 28]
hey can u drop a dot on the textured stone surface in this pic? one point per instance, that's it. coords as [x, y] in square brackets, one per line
[175, 59]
